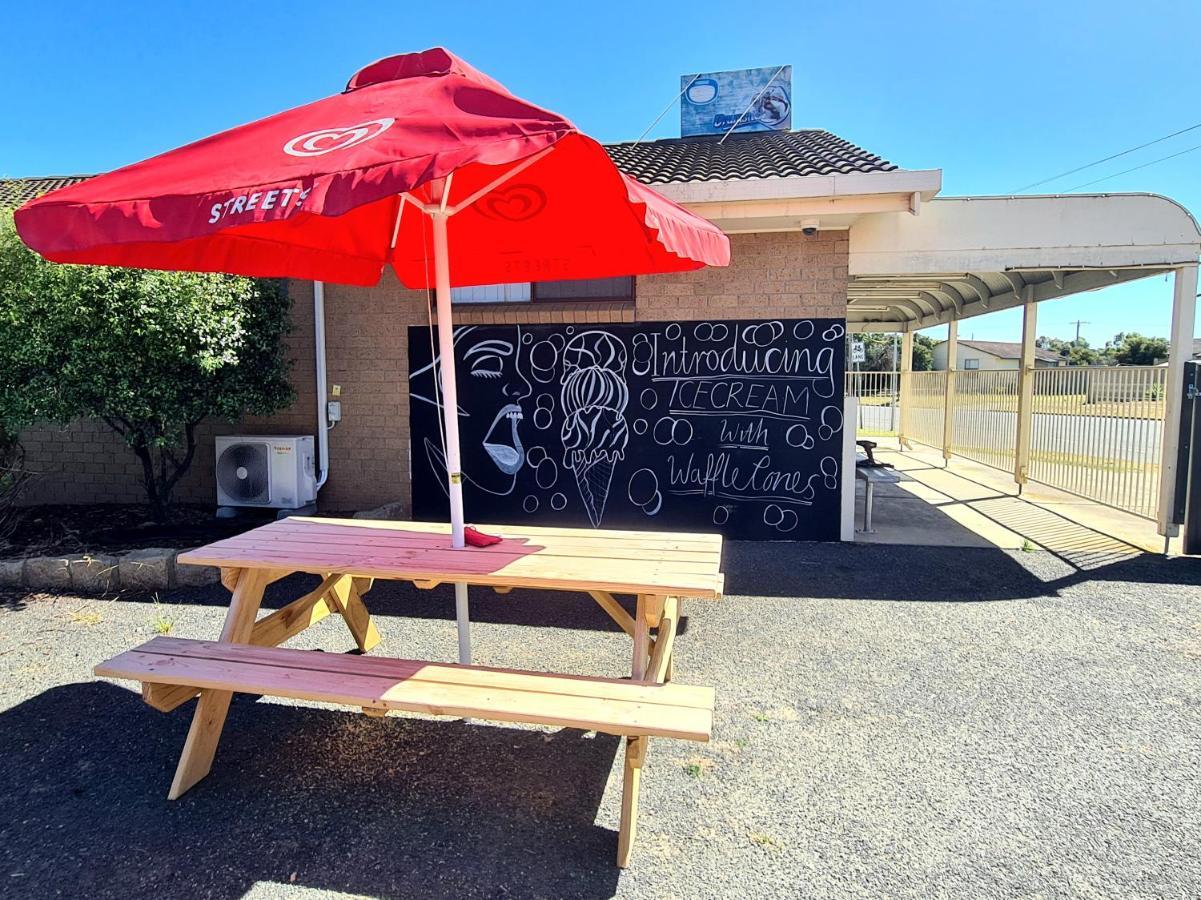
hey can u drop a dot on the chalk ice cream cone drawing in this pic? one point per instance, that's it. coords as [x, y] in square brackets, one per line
[594, 430]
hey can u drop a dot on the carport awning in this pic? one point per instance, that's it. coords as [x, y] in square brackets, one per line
[967, 256]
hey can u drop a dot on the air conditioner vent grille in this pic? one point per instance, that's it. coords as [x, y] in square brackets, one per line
[242, 472]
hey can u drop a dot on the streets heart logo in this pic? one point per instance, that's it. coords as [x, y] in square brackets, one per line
[514, 203]
[327, 140]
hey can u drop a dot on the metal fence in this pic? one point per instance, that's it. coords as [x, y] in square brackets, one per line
[985, 417]
[1097, 432]
[927, 407]
[879, 395]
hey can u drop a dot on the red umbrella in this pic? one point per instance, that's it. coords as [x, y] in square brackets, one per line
[419, 153]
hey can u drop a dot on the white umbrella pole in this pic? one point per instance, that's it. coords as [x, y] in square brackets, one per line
[450, 418]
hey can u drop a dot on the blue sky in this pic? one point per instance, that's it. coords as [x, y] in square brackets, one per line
[997, 95]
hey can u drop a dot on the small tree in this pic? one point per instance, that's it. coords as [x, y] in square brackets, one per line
[1134, 349]
[1075, 352]
[149, 353]
[923, 353]
[878, 349]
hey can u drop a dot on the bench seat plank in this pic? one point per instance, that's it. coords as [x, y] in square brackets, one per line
[612, 706]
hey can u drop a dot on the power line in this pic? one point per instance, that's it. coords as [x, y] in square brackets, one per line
[1136, 168]
[1108, 158]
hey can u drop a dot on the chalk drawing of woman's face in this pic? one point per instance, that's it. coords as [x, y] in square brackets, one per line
[492, 389]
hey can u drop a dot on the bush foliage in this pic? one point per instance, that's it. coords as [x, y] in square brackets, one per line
[150, 353]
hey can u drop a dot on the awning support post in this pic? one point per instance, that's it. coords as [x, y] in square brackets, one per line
[948, 409]
[1021, 458]
[1184, 315]
[906, 386]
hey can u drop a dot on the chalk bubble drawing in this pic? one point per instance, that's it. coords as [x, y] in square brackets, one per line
[594, 400]
[797, 435]
[644, 492]
[779, 518]
[544, 411]
[829, 470]
[831, 423]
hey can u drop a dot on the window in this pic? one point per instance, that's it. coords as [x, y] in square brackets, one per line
[971, 363]
[492, 293]
[620, 288]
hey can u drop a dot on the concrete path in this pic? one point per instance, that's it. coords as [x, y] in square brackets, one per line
[969, 504]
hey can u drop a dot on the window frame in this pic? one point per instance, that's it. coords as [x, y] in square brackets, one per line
[535, 294]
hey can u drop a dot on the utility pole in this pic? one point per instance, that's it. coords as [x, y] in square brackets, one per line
[1078, 323]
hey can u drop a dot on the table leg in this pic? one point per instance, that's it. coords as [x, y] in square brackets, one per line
[671, 659]
[347, 595]
[642, 638]
[209, 718]
[631, 780]
[664, 643]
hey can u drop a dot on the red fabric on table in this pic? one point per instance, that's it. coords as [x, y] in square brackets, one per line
[476, 538]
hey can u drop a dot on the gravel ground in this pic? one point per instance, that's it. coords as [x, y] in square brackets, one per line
[891, 722]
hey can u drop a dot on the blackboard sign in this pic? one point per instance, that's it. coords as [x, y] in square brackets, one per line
[730, 426]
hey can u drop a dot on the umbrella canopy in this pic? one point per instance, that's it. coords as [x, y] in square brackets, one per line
[336, 190]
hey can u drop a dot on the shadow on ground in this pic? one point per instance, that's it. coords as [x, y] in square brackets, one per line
[321, 799]
[939, 574]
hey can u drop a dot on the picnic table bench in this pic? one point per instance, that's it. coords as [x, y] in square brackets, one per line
[660, 569]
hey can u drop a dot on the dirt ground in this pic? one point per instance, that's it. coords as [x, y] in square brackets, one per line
[892, 721]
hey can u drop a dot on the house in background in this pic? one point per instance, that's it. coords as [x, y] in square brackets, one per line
[992, 356]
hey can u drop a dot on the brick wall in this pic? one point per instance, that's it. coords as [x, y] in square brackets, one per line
[783, 274]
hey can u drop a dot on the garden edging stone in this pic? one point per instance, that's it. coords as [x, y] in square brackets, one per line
[48, 573]
[150, 569]
[147, 570]
[93, 574]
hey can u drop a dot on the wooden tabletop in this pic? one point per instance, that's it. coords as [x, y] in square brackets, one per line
[572, 559]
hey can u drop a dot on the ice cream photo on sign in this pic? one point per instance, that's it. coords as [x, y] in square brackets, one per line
[594, 401]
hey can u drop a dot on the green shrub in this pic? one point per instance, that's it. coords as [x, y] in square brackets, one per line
[150, 353]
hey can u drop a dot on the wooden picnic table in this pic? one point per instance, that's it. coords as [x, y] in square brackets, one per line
[660, 569]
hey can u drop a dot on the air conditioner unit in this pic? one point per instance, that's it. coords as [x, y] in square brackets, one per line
[265, 470]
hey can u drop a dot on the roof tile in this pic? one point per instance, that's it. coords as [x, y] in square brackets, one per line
[774, 154]
[16, 191]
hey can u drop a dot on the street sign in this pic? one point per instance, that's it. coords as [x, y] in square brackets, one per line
[858, 352]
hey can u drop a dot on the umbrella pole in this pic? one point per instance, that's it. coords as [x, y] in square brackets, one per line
[450, 417]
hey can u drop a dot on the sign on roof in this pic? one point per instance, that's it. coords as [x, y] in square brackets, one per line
[741, 100]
